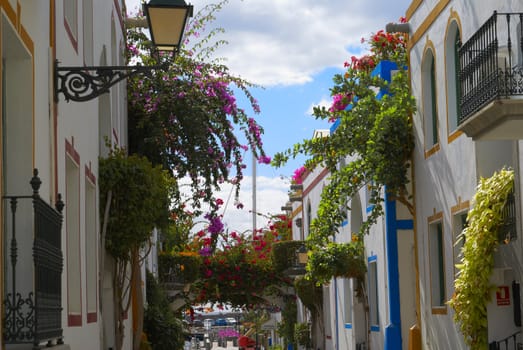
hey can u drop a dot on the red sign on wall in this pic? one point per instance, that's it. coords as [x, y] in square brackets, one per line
[503, 296]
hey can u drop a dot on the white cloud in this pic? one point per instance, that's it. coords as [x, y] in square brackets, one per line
[271, 195]
[324, 102]
[286, 42]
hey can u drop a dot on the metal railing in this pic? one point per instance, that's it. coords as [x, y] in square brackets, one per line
[509, 343]
[34, 316]
[488, 63]
[508, 230]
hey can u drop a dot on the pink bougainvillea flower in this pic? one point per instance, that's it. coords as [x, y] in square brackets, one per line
[264, 160]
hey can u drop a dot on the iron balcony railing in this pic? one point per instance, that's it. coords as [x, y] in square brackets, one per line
[511, 342]
[490, 63]
[508, 230]
[33, 314]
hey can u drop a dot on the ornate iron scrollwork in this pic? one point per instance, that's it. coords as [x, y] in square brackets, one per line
[85, 83]
[19, 318]
[33, 315]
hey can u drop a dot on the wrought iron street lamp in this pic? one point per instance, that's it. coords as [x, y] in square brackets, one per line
[166, 19]
[300, 259]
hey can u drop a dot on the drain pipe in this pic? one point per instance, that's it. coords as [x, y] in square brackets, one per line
[392, 225]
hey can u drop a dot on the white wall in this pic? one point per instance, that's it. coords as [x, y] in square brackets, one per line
[445, 179]
[77, 123]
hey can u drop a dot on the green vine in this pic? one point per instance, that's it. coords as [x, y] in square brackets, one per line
[472, 286]
[283, 254]
[302, 334]
[139, 201]
[336, 260]
[180, 265]
[373, 135]
[135, 198]
[285, 328]
[310, 294]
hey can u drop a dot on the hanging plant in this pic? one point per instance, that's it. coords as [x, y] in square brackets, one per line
[284, 254]
[337, 260]
[310, 294]
[183, 267]
[472, 286]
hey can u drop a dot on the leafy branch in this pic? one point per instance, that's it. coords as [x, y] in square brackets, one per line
[472, 285]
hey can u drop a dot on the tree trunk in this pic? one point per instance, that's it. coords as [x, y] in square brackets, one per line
[137, 302]
[118, 313]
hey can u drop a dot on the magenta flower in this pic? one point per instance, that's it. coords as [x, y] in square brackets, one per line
[205, 251]
[340, 102]
[297, 177]
[264, 160]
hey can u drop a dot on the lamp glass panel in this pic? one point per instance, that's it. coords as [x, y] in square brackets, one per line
[302, 258]
[167, 26]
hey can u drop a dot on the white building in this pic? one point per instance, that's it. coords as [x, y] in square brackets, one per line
[63, 140]
[457, 143]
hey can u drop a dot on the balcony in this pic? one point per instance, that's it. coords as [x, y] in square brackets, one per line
[33, 291]
[491, 80]
[177, 271]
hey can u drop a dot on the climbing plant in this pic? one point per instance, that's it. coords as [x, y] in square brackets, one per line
[473, 288]
[310, 294]
[187, 118]
[344, 260]
[371, 146]
[135, 197]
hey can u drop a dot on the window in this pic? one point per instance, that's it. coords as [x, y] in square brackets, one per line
[373, 294]
[430, 110]
[347, 302]
[370, 189]
[459, 222]
[91, 241]
[72, 211]
[452, 45]
[437, 266]
[433, 109]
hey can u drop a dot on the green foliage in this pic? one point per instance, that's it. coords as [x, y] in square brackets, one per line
[374, 137]
[310, 294]
[289, 316]
[472, 285]
[283, 254]
[302, 334]
[186, 118]
[276, 347]
[181, 266]
[175, 237]
[371, 146]
[164, 330]
[139, 201]
[237, 276]
[336, 260]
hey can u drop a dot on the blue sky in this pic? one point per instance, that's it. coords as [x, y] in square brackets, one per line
[292, 48]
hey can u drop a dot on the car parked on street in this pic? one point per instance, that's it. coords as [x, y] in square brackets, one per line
[220, 322]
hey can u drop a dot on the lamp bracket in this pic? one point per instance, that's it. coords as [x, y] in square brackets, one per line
[86, 83]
